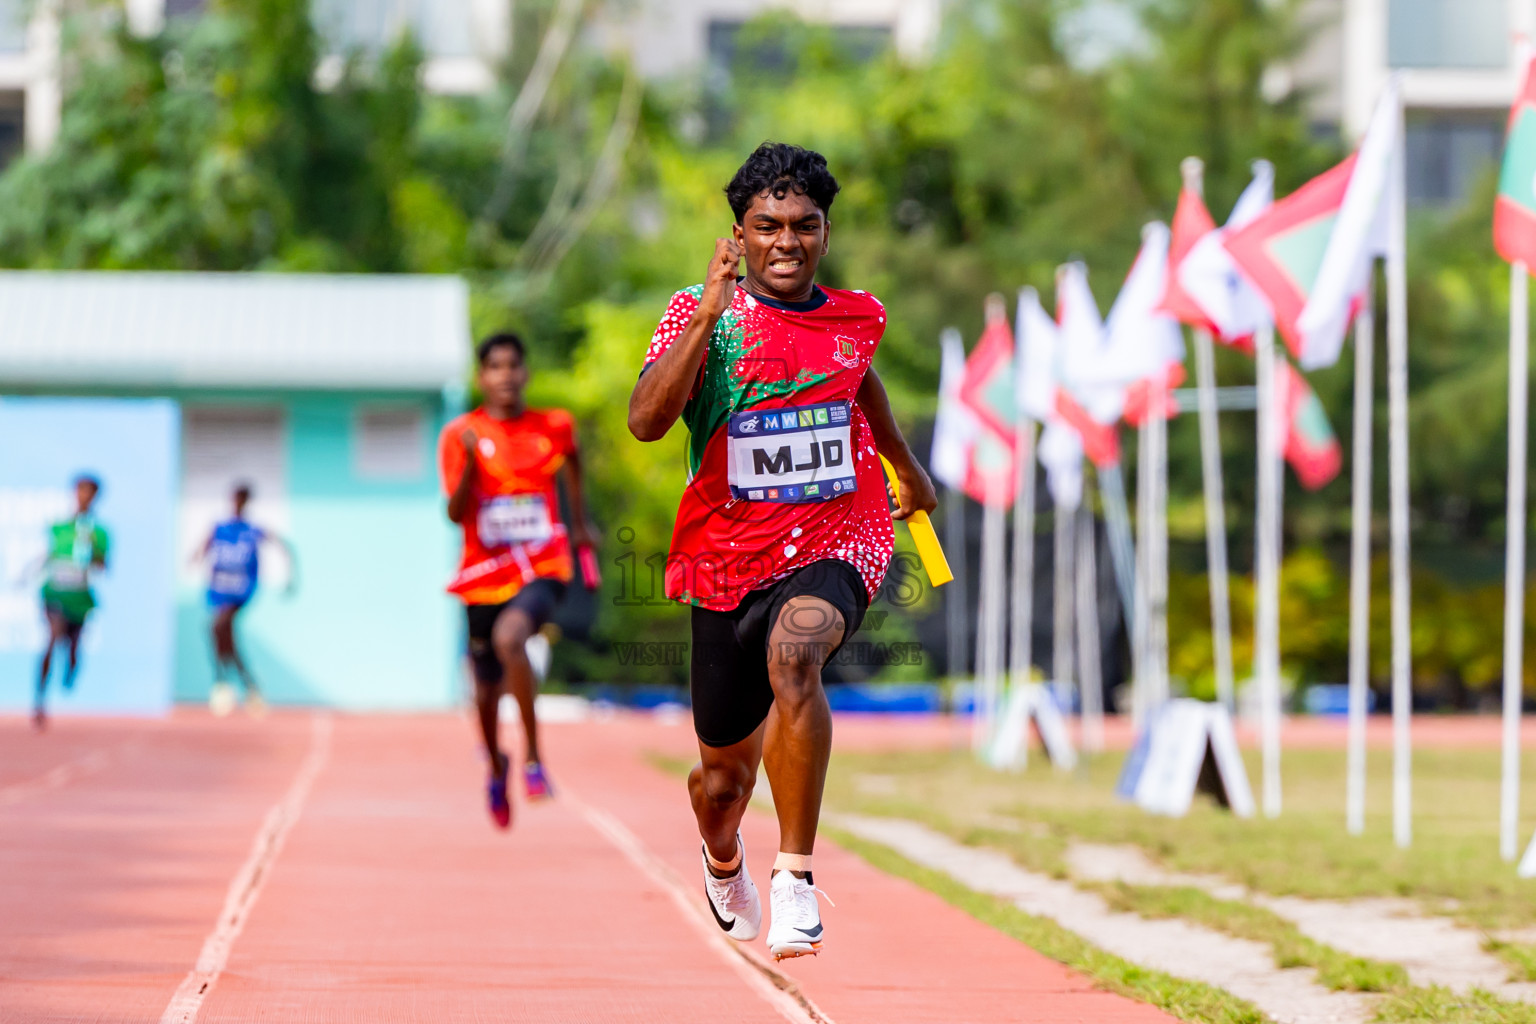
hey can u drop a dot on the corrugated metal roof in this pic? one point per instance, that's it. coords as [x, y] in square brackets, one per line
[232, 330]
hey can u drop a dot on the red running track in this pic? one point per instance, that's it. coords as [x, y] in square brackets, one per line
[369, 886]
[343, 869]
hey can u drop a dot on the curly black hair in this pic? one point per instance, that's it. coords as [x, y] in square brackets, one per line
[778, 167]
[506, 339]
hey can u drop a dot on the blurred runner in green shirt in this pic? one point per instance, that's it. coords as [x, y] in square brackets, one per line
[77, 546]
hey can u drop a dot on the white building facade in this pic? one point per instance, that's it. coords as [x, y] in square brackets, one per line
[464, 40]
[1458, 59]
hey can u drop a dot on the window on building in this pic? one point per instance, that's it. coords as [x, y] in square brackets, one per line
[1447, 153]
[443, 28]
[772, 44]
[13, 25]
[389, 443]
[1448, 33]
[13, 125]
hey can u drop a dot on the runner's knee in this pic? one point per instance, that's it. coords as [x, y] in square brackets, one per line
[727, 785]
[510, 633]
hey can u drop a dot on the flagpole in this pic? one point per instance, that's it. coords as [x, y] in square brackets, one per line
[1360, 563]
[1267, 628]
[1193, 170]
[1117, 524]
[1021, 641]
[956, 596]
[990, 637]
[1141, 667]
[1061, 635]
[1158, 592]
[1397, 440]
[1514, 556]
[1090, 674]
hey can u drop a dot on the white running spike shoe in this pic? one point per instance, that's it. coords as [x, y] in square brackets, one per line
[222, 700]
[734, 901]
[796, 926]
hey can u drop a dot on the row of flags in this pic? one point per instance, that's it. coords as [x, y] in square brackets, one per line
[1303, 264]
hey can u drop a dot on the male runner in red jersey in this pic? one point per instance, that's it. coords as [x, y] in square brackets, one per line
[784, 531]
[499, 464]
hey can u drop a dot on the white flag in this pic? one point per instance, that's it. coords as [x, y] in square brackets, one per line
[1212, 279]
[1084, 369]
[954, 428]
[1142, 342]
[1038, 341]
[1360, 234]
[1061, 453]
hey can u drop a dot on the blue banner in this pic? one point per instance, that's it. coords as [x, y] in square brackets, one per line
[127, 650]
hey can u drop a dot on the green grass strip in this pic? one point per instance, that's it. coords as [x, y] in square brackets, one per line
[1442, 1006]
[1187, 1000]
[1520, 957]
[1337, 971]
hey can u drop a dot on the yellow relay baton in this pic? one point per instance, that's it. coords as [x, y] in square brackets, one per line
[934, 562]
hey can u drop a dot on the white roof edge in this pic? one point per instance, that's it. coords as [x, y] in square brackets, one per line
[173, 330]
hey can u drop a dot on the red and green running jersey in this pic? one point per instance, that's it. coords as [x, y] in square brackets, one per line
[782, 465]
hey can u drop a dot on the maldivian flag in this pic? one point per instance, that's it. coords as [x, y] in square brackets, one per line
[1307, 438]
[1089, 395]
[1514, 212]
[1210, 279]
[987, 390]
[1191, 222]
[1311, 253]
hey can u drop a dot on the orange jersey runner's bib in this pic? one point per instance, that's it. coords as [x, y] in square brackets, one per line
[513, 534]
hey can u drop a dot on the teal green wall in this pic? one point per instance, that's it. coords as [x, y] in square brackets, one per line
[370, 627]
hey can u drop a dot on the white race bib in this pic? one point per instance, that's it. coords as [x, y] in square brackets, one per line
[794, 454]
[515, 519]
[67, 576]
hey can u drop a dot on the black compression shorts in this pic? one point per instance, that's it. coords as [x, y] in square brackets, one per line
[729, 671]
[537, 600]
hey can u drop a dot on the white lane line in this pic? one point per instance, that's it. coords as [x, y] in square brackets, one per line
[249, 880]
[776, 988]
[63, 775]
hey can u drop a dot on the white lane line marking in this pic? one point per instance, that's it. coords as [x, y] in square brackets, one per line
[249, 880]
[776, 988]
[63, 775]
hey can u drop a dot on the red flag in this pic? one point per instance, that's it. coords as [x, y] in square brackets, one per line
[1191, 222]
[1154, 398]
[1310, 445]
[1514, 212]
[1282, 251]
[987, 390]
[1101, 441]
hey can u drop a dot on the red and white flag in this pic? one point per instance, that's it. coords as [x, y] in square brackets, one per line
[1144, 344]
[1213, 292]
[954, 427]
[1089, 396]
[1311, 253]
[1306, 437]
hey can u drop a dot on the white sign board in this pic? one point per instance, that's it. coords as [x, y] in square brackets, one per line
[1026, 704]
[1527, 868]
[1189, 746]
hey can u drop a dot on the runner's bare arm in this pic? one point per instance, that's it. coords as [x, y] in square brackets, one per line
[915, 492]
[462, 497]
[663, 389]
[291, 553]
[581, 532]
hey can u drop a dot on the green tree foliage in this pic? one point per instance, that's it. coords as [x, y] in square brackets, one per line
[1008, 150]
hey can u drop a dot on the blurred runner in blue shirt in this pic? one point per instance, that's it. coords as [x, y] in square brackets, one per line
[233, 552]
